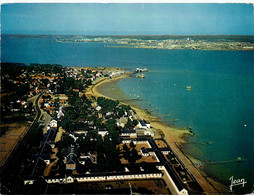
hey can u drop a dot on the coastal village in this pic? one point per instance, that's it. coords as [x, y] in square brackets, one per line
[164, 42]
[77, 138]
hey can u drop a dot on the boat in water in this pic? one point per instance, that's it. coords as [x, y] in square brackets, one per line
[140, 76]
[188, 87]
[138, 70]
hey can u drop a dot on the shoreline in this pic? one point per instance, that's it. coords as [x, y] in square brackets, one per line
[162, 129]
[174, 136]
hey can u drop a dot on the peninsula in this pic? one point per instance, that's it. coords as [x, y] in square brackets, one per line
[169, 42]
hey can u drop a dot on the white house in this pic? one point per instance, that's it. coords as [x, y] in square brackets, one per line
[98, 108]
[53, 123]
[143, 124]
[102, 132]
[143, 131]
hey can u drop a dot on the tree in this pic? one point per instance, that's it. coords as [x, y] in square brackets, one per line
[120, 112]
[149, 167]
[135, 122]
[107, 104]
[111, 125]
[100, 144]
[126, 154]
[67, 140]
[132, 145]
[125, 147]
[115, 137]
[88, 71]
[131, 155]
[81, 168]
[84, 145]
[129, 124]
[126, 107]
[112, 155]
[64, 152]
[101, 163]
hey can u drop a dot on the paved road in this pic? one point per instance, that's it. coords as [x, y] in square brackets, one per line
[38, 110]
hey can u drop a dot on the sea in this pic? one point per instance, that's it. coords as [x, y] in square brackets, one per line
[219, 108]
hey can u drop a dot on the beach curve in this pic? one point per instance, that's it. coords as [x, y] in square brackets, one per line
[174, 136]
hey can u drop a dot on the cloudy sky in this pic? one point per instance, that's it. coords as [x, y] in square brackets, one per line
[127, 19]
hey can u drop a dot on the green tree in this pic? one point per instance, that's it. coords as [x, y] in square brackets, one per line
[125, 147]
[131, 155]
[132, 145]
[67, 140]
[101, 163]
[64, 152]
[120, 112]
[111, 125]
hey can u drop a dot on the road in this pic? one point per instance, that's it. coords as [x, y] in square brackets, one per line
[12, 152]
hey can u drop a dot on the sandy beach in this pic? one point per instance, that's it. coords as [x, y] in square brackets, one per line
[173, 135]
[170, 134]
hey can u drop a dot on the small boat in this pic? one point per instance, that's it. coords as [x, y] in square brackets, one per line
[139, 70]
[188, 88]
[140, 76]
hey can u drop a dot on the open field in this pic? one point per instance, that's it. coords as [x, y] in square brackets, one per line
[9, 140]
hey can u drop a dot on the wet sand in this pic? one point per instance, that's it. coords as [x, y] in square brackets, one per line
[175, 137]
[108, 88]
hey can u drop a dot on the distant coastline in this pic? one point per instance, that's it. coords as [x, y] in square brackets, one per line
[169, 42]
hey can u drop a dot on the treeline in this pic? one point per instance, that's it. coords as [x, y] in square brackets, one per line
[107, 105]
[9, 72]
[12, 69]
[78, 111]
[46, 68]
[15, 69]
[68, 84]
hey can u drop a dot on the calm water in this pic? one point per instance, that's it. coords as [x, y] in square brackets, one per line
[218, 106]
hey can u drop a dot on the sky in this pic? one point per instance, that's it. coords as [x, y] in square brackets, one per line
[127, 19]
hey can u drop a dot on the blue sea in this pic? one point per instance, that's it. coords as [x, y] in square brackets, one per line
[219, 107]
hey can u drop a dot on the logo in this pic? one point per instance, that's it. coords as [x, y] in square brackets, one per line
[236, 182]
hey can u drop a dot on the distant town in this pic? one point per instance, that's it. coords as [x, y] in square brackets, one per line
[165, 42]
[70, 137]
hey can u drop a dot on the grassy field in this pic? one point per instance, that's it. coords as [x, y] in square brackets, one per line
[10, 138]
